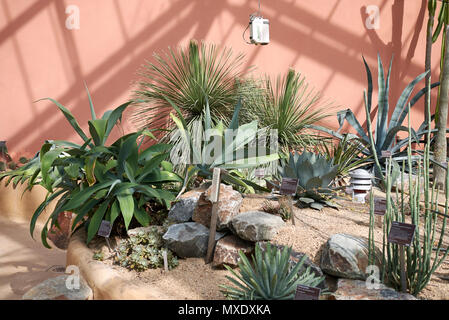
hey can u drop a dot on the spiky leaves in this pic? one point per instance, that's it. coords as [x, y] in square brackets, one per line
[270, 276]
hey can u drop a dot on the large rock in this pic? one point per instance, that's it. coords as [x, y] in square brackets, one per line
[346, 256]
[227, 251]
[256, 225]
[295, 257]
[182, 210]
[358, 290]
[398, 183]
[189, 239]
[58, 289]
[228, 207]
[60, 236]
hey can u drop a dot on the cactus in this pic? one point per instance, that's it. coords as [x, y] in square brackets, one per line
[422, 258]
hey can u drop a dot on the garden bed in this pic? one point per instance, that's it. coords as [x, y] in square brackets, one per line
[193, 279]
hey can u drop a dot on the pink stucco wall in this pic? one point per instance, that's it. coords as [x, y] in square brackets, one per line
[324, 39]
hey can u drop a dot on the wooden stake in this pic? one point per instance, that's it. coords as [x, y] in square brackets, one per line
[214, 197]
[402, 265]
[290, 205]
[378, 221]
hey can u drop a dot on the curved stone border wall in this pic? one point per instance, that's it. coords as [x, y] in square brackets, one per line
[17, 206]
[106, 283]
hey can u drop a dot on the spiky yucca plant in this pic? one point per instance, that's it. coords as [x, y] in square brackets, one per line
[269, 277]
[188, 76]
[290, 107]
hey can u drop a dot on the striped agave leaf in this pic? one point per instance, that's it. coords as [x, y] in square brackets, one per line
[386, 129]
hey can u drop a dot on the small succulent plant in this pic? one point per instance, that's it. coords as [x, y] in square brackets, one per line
[24, 160]
[98, 255]
[280, 209]
[144, 250]
[315, 175]
[271, 276]
[12, 165]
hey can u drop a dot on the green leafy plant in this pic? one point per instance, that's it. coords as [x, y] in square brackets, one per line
[98, 182]
[271, 276]
[291, 107]
[315, 176]
[144, 250]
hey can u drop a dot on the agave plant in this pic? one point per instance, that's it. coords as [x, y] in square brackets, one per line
[290, 106]
[269, 277]
[315, 176]
[95, 181]
[187, 76]
[220, 147]
[386, 129]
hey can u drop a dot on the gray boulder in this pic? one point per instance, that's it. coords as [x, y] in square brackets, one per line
[256, 225]
[189, 239]
[359, 290]
[64, 287]
[182, 210]
[346, 256]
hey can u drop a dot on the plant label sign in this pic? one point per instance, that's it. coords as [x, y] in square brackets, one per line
[380, 206]
[307, 293]
[105, 229]
[260, 173]
[401, 233]
[288, 186]
[386, 154]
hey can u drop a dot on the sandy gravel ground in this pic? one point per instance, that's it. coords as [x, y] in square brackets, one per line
[24, 262]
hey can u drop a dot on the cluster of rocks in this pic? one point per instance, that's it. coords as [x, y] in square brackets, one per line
[236, 230]
[344, 257]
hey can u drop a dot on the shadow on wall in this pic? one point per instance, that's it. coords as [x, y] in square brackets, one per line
[197, 18]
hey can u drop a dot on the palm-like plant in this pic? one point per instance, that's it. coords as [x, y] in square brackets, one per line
[187, 76]
[269, 277]
[290, 106]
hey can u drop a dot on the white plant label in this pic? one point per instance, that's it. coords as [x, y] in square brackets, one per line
[373, 19]
[73, 20]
